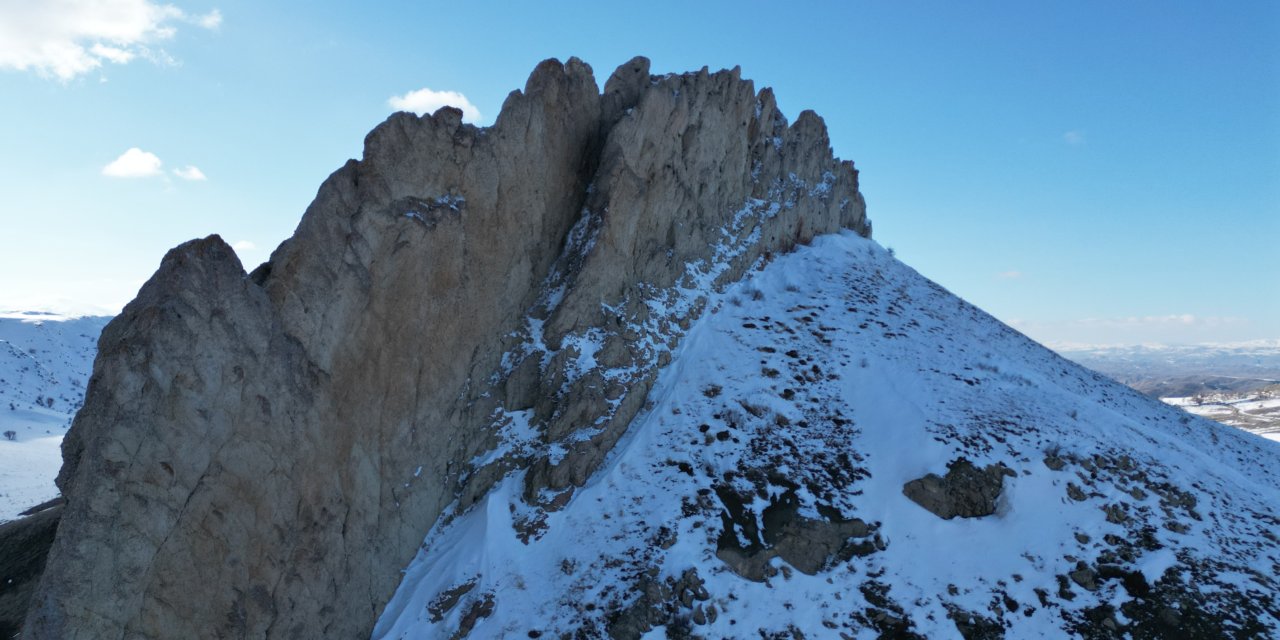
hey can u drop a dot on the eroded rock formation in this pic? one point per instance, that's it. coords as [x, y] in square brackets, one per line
[24, 547]
[260, 454]
[966, 491]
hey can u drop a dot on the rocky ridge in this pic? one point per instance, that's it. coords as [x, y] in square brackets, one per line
[259, 454]
[841, 448]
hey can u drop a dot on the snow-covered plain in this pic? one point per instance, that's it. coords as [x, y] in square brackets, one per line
[827, 380]
[1257, 411]
[45, 362]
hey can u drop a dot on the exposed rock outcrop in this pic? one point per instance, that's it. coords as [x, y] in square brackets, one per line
[965, 491]
[673, 603]
[259, 455]
[808, 544]
[748, 543]
[24, 547]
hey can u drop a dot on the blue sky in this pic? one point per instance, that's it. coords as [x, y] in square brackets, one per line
[1088, 171]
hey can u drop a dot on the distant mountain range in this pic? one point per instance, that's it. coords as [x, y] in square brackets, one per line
[1165, 371]
[1237, 384]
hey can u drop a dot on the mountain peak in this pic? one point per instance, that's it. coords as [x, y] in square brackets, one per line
[261, 455]
[624, 364]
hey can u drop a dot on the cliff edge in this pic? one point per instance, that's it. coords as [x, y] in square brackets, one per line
[260, 454]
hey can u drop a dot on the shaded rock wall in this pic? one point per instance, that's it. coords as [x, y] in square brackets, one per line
[24, 547]
[260, 454]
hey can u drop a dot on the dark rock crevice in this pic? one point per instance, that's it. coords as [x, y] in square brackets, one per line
[24, 548]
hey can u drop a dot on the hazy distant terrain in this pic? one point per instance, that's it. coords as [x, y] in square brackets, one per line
[1184, 370]
[1236, 384]
[1257, 410]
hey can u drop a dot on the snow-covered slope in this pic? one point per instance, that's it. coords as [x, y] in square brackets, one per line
[45, 362]
[761, 492]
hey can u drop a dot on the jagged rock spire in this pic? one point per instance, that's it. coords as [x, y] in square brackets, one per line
[260, 455]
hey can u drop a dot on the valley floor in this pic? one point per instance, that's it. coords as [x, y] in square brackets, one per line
[27, 470]
[1256, 411]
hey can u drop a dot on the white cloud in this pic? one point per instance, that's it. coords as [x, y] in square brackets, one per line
[1073, 138]
[1009, 275]
[134, 163]
[67, 38]
[113, 54]
[1172, 328]
[1172, 319]
[190, 172]
[243, 245]
[427, 101]
[211, 20]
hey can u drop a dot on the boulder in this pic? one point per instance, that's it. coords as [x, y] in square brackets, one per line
[965, 491]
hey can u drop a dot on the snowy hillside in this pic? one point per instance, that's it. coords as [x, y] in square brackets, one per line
[761, 494]
[45, 362]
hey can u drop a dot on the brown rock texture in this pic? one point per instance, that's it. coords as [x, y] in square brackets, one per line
[965, 491]
[24, 547]
[259, 455]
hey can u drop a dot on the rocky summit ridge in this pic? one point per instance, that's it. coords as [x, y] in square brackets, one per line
[591, 372]
[260, 454]
[842, 449]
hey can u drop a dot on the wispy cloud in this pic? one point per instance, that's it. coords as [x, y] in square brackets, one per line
[112, 54]
[1173, 319]
[428, 101]
[134, 163]
[211, 20]
[64, 39]
[1170, 328]
[1012, 274]
[190, 172]
[1073, 138]
[243, 245]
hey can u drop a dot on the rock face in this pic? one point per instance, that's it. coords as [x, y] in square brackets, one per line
[760, 492]
[808, 544]
[24, 547]
[966, 491]
[259, 455]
